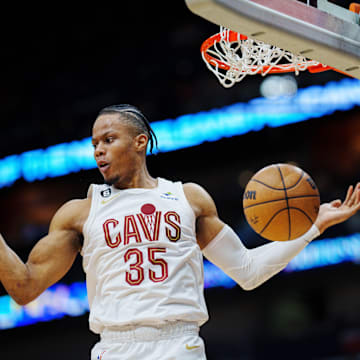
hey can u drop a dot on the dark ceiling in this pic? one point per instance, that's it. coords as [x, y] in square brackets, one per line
[60, 65]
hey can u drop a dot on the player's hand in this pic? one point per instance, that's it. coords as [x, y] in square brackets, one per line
[337, 211]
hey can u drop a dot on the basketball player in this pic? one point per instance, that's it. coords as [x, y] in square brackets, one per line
[142, 240]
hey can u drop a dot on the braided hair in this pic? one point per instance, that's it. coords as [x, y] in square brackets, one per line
[136, 118]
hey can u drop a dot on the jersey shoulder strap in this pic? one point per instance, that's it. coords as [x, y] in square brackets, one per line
[175, 189]
[95, 192]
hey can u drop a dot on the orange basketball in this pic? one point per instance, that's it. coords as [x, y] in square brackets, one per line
[281, 202]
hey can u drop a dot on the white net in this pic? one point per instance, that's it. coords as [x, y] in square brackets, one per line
[230, 58]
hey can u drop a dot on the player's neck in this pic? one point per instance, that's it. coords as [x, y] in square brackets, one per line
[140, 179]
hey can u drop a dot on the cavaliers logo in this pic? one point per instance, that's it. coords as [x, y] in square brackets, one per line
[143, 226]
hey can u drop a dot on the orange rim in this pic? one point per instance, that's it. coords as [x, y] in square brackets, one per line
[234, 36]
[355, 7]
[208, 43]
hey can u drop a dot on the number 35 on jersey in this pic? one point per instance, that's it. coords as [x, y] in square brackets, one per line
[143, 227]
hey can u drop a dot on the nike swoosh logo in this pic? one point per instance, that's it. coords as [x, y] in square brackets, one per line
[111, 199]
[191, 347]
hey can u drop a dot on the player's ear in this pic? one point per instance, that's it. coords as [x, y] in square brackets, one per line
[140, 142]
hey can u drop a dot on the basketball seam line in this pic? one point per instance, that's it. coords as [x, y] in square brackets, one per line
[274, 188]
[271, 219]
[282, 199]
[279, 211]
[302, 211]
[287, 200]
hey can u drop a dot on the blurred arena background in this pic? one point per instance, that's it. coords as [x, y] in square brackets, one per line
[60, 68]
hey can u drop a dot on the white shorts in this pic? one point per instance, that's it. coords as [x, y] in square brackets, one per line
[174, 341]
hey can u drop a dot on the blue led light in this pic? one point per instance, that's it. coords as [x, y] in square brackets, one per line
[10, 170]
[215, 277]
[54, 303]
[192, 129]
[327, 252]
[56, 160]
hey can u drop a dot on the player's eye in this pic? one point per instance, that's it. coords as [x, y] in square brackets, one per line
[109, 139]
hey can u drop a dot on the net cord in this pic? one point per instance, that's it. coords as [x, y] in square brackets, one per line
[232, 56]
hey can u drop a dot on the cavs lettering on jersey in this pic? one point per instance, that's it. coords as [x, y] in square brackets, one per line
[142, 262]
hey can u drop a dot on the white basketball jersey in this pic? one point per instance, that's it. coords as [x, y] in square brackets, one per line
[142, 262]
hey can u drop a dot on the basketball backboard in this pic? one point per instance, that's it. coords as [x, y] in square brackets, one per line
[326, 33]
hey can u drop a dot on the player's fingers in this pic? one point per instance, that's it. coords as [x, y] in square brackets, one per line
[355, 197]
[349, 194]
[358, 187]
[357, 193]
[355, 207]
[336, 203]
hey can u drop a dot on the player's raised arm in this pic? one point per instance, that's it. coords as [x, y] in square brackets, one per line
[49, 260]
[250, 268]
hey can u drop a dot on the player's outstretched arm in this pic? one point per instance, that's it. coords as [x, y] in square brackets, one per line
[49, 260]
[250, 268]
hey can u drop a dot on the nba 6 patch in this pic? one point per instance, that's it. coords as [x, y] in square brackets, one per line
[106, 193]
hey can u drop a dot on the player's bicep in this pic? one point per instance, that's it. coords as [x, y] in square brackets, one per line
[207, 227]
[53, 255]
[51, 258]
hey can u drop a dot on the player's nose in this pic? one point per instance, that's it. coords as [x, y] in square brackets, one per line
[99, 150]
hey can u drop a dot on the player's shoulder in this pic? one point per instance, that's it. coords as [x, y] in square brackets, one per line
[76, 205]
[194, 189]
[72, 214]
[199, 199]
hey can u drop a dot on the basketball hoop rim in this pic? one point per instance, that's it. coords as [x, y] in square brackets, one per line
[233, 36]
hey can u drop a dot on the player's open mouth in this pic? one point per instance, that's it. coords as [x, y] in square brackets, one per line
[103, 166]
